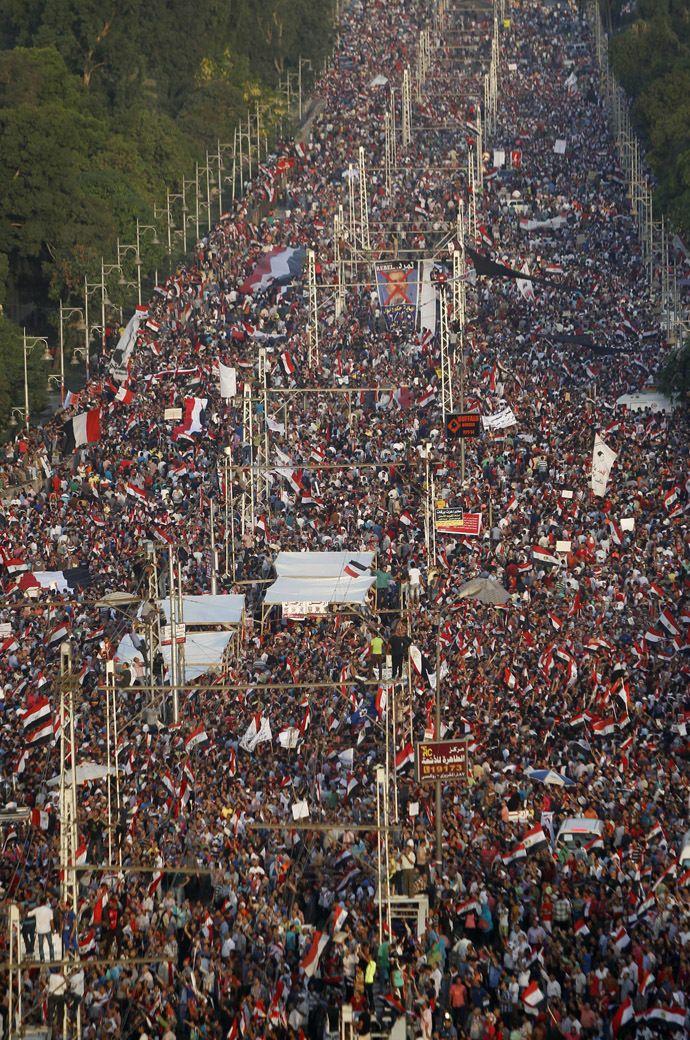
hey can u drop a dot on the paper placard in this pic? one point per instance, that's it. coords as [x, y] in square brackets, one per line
[413, 809]
[628, 523]
[563, 547]
[172, 413]
[566, 493]
[5, 630]
[559, 147]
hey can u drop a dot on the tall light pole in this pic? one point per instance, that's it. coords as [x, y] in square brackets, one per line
[28, 343]
[122, 250]
[302, 61]
[66, 312]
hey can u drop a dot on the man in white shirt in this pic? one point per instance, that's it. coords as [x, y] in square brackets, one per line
[407, 865]
[415, 576]
[43, 915]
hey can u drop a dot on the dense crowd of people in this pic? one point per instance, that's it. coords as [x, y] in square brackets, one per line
[246, 918]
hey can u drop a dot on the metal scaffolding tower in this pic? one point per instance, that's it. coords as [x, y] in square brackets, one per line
[363, 203]
[313, 326]
[248, 499]
[388, 153]
[394, 158]
[446, 371]
[353, 218]
[69, 825]
[339, 232]
[472, 211]
[406, 110]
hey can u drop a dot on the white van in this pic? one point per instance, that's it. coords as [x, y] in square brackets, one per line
[579, 828]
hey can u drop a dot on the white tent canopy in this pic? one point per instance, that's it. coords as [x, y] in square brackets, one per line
[319, 590]
[86, 771]
[319, 564]
[207, 610]
[202, 652]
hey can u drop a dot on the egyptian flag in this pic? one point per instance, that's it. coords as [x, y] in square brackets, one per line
[197, 738]
[137, 492]
[310, 963]
[554, 620]
[646, 982]
[347, 878]
[534, 840]
[670, 1016]
[58, 634]
[540, 555]
[286, 362]
[604, 727]
[355, 569]
[395, 1005]
[124, 395]
[36, 714]
[621, 938]
[623, 1015]
[262, 526]
[339, 917]
[11, 836]
[509, 679]
[83, 429]
[41, 819]
[580, 930]
[405, 756]
[194, 414]
[532, 997]
[78, 577]
[155, 882]
[667, 620]
[99, 907]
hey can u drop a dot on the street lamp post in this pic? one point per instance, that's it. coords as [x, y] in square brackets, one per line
[136, 247]
[28, 343]
[302, 61]
[89, 289]
[64, 314]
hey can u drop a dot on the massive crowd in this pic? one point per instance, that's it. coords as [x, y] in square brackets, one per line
[242, 922]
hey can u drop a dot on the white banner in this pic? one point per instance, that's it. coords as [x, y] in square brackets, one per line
[125, 344]
[553, 223]
[228, 380]
[427, 297]
[255, 736]
[603, 459]
[500, 420]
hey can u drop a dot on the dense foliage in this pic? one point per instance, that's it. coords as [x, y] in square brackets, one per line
[651, 58]
[104, 104]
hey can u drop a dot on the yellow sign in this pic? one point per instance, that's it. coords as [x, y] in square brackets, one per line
[506, 23]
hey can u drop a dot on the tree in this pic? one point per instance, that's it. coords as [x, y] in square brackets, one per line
[674, 378]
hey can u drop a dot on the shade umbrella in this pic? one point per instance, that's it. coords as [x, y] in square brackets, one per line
[550, 776]
[484, 590]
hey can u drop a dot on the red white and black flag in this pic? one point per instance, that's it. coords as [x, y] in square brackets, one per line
[83, 429]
